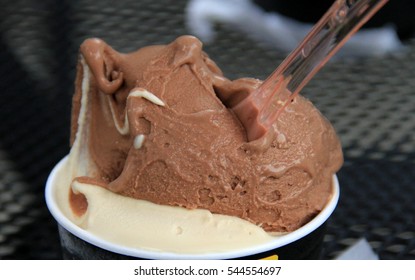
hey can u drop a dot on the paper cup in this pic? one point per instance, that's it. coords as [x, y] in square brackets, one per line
[77, 243]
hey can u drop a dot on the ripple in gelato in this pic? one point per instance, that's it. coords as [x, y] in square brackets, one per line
[159, 161]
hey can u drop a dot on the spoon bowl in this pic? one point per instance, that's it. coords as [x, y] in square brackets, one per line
[261, 109]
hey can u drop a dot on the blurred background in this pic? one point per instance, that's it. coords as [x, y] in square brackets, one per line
[368, 93]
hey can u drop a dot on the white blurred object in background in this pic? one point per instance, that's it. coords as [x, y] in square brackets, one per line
[278, 31]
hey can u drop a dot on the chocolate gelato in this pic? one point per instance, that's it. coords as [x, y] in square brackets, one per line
[157, 125]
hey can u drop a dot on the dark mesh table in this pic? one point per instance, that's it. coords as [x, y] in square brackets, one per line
[371, 103]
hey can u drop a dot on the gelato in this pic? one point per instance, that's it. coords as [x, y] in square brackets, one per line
[156, 127]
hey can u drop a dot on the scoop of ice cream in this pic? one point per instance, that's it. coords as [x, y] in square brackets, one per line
[157, 125]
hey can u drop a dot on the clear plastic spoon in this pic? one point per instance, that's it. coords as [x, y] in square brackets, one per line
[260, 110]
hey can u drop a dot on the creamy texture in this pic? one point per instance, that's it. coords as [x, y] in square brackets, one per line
[145, 225]
[157, 125]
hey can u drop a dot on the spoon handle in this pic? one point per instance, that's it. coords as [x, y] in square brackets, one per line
[339, 23]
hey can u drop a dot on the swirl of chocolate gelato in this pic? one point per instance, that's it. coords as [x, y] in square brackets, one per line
[157, 125]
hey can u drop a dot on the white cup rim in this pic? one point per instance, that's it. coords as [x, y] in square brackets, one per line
[283, 240]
